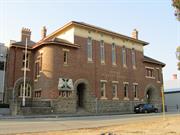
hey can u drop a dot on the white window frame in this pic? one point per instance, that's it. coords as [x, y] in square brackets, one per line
[127, 90]
[113, 54]
[89, 49]
[115, 90]
[147, 74]
[102, 52]
[158, 75]
[133, 53]
[124, 57]
[27, 61]
[28, 89]
[103, 89]
[135, 91]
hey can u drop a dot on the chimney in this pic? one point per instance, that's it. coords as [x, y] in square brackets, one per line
[43, 32]
[25, 33]
[174, 76]
[135, 34]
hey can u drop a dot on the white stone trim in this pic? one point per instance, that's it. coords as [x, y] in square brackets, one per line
[125, 82]
[65, 50]
[149, 67]
[105, 81]
[135, 83]
[115, 82]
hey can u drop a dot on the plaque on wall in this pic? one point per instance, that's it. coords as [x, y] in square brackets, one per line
[65, 84]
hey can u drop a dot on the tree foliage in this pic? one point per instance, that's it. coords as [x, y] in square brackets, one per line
[178, 56]
[176, 5]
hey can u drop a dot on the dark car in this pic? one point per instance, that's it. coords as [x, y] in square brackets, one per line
[145, 108]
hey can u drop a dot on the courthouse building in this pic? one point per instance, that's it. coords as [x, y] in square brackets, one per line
[82, 66]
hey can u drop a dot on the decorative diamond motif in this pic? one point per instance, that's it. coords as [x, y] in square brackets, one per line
[65, 84]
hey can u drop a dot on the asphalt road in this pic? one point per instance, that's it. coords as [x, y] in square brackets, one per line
[12, 126]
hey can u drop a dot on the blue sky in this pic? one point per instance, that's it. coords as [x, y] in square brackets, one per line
[154, 20]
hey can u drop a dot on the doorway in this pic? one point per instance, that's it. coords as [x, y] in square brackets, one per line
[80, 95]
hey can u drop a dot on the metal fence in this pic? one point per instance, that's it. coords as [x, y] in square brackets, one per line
[172, 108]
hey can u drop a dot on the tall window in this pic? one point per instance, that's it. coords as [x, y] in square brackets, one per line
[102, 51]
[65, 57]
[37, 73]
[114, 90]
[27, 90]
[124, 56]
[135, 90]
[126, 90]
[103, 89]
[27, 60]
[133, 57]
[113, 54]
[89, 48]
[158, 75]
[40, 62]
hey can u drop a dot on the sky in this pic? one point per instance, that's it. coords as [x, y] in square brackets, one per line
[154, 19]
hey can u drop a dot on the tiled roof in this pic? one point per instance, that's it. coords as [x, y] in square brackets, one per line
[21, 43]
[151, 60]
[82, 24]
[58, 41]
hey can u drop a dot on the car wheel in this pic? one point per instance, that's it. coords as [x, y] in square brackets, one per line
[145, 111]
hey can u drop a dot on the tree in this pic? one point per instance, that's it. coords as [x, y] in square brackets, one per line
[178, 56]
[176, 5]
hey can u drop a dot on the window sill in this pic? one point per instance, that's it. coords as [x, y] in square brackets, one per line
[115, 98]
[35, 80]
[103, 63]
[149, 77]
[103, 98]
[136, 99]
[65, 65]
[114, 65]
[25, 97]
[126, 99]
[27, 69]
[124, 66]
[134, 67]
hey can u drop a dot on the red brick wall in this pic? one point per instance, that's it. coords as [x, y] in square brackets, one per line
[78, 67]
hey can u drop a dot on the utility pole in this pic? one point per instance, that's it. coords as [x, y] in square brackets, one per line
[163, 104]
[24, 86]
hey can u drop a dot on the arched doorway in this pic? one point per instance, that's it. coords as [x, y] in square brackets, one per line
[81, 95]
[151, 94]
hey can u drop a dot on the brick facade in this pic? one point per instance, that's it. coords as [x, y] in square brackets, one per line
[88, 74]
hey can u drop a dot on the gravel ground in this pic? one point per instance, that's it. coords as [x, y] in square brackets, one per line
[154, 126]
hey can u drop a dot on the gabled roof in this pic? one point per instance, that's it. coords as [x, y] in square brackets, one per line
[151, 60]
[96, 28]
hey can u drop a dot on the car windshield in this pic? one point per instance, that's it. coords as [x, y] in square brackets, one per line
[140, 105]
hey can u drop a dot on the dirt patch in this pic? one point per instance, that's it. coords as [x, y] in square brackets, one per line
[154, 126]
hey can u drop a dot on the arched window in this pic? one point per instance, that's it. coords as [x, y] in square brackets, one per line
[27, 90]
